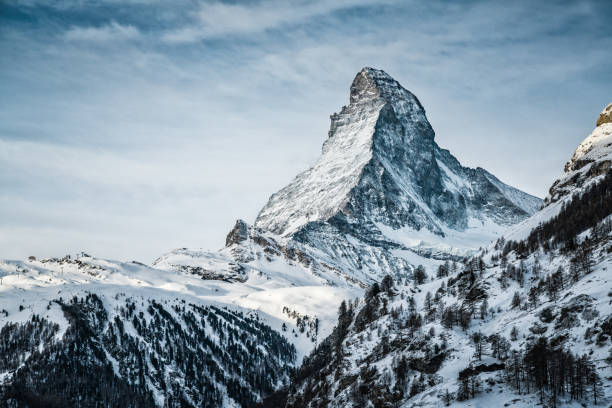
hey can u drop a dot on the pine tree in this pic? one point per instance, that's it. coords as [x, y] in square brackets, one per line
[443, 270]
[551, 288]
[477, 339]
[594, 381]
[558, 278]
[386, 285]
[516, 300]
[574, 272]
[533, 296]
[514, 333]
[463, 392]
[419, 275]
[428, 303]
[465, 318]
[447, 398]
[484, 306]
[481, 266]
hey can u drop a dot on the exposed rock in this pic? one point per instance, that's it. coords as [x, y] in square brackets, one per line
[238, 234]
[605, 116]
[592, 159]
[537, 328]
[568, 316]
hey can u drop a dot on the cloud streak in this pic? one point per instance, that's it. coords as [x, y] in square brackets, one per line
[109, 32]
[221, 19]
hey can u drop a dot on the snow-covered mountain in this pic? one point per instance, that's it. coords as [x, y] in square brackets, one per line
[228, 327]
[591, 159]
[590, 163]
[153, 338]
[382, 199]
[527, 322]
[382, 180]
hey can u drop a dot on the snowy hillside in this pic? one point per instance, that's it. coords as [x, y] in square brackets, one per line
[142, 323]
[456, 340]
[526, 322]
[592, 158]
[591, 161]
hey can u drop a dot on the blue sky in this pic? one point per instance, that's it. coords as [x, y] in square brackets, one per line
[128, 128]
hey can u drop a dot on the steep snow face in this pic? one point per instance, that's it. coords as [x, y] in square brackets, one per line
[381, 169]
[321, 191]
[524, 201]
[592, 158]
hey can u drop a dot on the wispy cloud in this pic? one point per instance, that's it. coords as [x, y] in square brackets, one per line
[112, 31]
[219, 19]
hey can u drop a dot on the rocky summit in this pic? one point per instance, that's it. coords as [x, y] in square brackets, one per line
[383, 181]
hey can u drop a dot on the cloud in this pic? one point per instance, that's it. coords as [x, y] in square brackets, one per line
[221, 19]
[80, 4]
[113, 31]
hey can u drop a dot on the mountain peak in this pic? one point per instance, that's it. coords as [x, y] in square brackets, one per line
[372, 84]
[356, 137]
[368, 84]
[592, 158]
[605, 116]
[381, 165]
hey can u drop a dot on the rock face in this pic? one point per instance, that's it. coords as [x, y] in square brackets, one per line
[238, 234]
[383, 181]
[592, 159]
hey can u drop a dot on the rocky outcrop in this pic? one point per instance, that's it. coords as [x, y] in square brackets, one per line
[592, 159]
[238, 234]
[605, 116]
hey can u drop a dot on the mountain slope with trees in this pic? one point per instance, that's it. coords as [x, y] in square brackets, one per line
[523, 322]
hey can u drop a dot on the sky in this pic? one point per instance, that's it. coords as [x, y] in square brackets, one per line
[129, 128]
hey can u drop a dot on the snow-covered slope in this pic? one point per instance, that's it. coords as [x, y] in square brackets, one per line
[592, 158]
[413, 345]
[528, 322]
[34, 283]
[158, 335]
